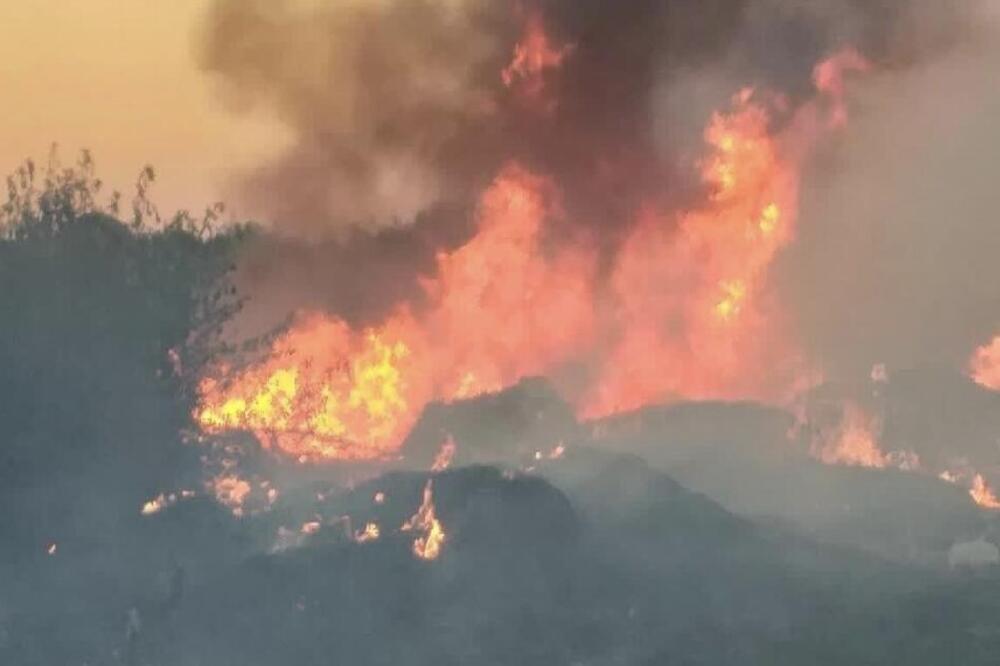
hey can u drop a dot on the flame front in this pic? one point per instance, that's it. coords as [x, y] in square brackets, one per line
[682, 309]
[324, 392]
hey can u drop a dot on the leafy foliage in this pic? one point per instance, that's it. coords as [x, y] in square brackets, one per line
[105, 323]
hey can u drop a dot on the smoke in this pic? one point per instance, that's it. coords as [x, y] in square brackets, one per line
[402, 115]
[896, 256]
[398, 105]
[376, 93]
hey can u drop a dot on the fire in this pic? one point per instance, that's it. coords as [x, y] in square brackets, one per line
[984, 367]
[428, 546]
[154, 505]
[443, 459]
[949, 476]
[324, 392]
[853, 442]
[231, 491]
[692, 316]
[533, 55]
[682, 308]
[369, 533]
[982, 494]
[500, 310]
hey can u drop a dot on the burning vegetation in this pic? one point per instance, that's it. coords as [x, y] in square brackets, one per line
[550, 264]
[504, 306]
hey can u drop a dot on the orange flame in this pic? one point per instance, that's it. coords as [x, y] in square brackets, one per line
[501, 310]
[982, 494]
[428, 546]
[369, 533]
[692, 316]
[533, 55]
[683, 311]
[230, 491]
[324, 392]
[854, 441]
[984, 367]
[443, 459]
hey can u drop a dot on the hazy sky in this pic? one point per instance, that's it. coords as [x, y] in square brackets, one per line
[120, 77]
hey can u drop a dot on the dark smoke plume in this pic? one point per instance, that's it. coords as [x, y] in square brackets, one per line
[399, 105]
[401, 117]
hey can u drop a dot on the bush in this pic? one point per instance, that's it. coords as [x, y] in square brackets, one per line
[104, 322]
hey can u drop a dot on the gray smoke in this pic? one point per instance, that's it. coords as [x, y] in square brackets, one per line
[896, 259]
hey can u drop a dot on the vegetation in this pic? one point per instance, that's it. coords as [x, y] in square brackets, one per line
[107, 311]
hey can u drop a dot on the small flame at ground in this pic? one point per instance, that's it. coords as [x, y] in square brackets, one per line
[443, 459]
[853, 442]
[164, 500]
[369, 533]
[428, 546]
[982, 494]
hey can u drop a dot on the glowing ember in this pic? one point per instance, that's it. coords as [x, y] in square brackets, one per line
[369, 533]
[428, 546]
[500, 311]
[691, 315]
[554, 454]
[982, 494]
[950, 477]
[984, 367]
[231, 491]
[163, 501]
[154, 505]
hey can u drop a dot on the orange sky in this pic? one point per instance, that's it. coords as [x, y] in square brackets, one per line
[119, 77]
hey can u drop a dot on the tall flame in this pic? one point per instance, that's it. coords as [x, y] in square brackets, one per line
[428, 546]
[682, 310]
[853, 442]
[691, 315]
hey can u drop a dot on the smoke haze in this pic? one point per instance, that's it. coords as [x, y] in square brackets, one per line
[896, 261]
